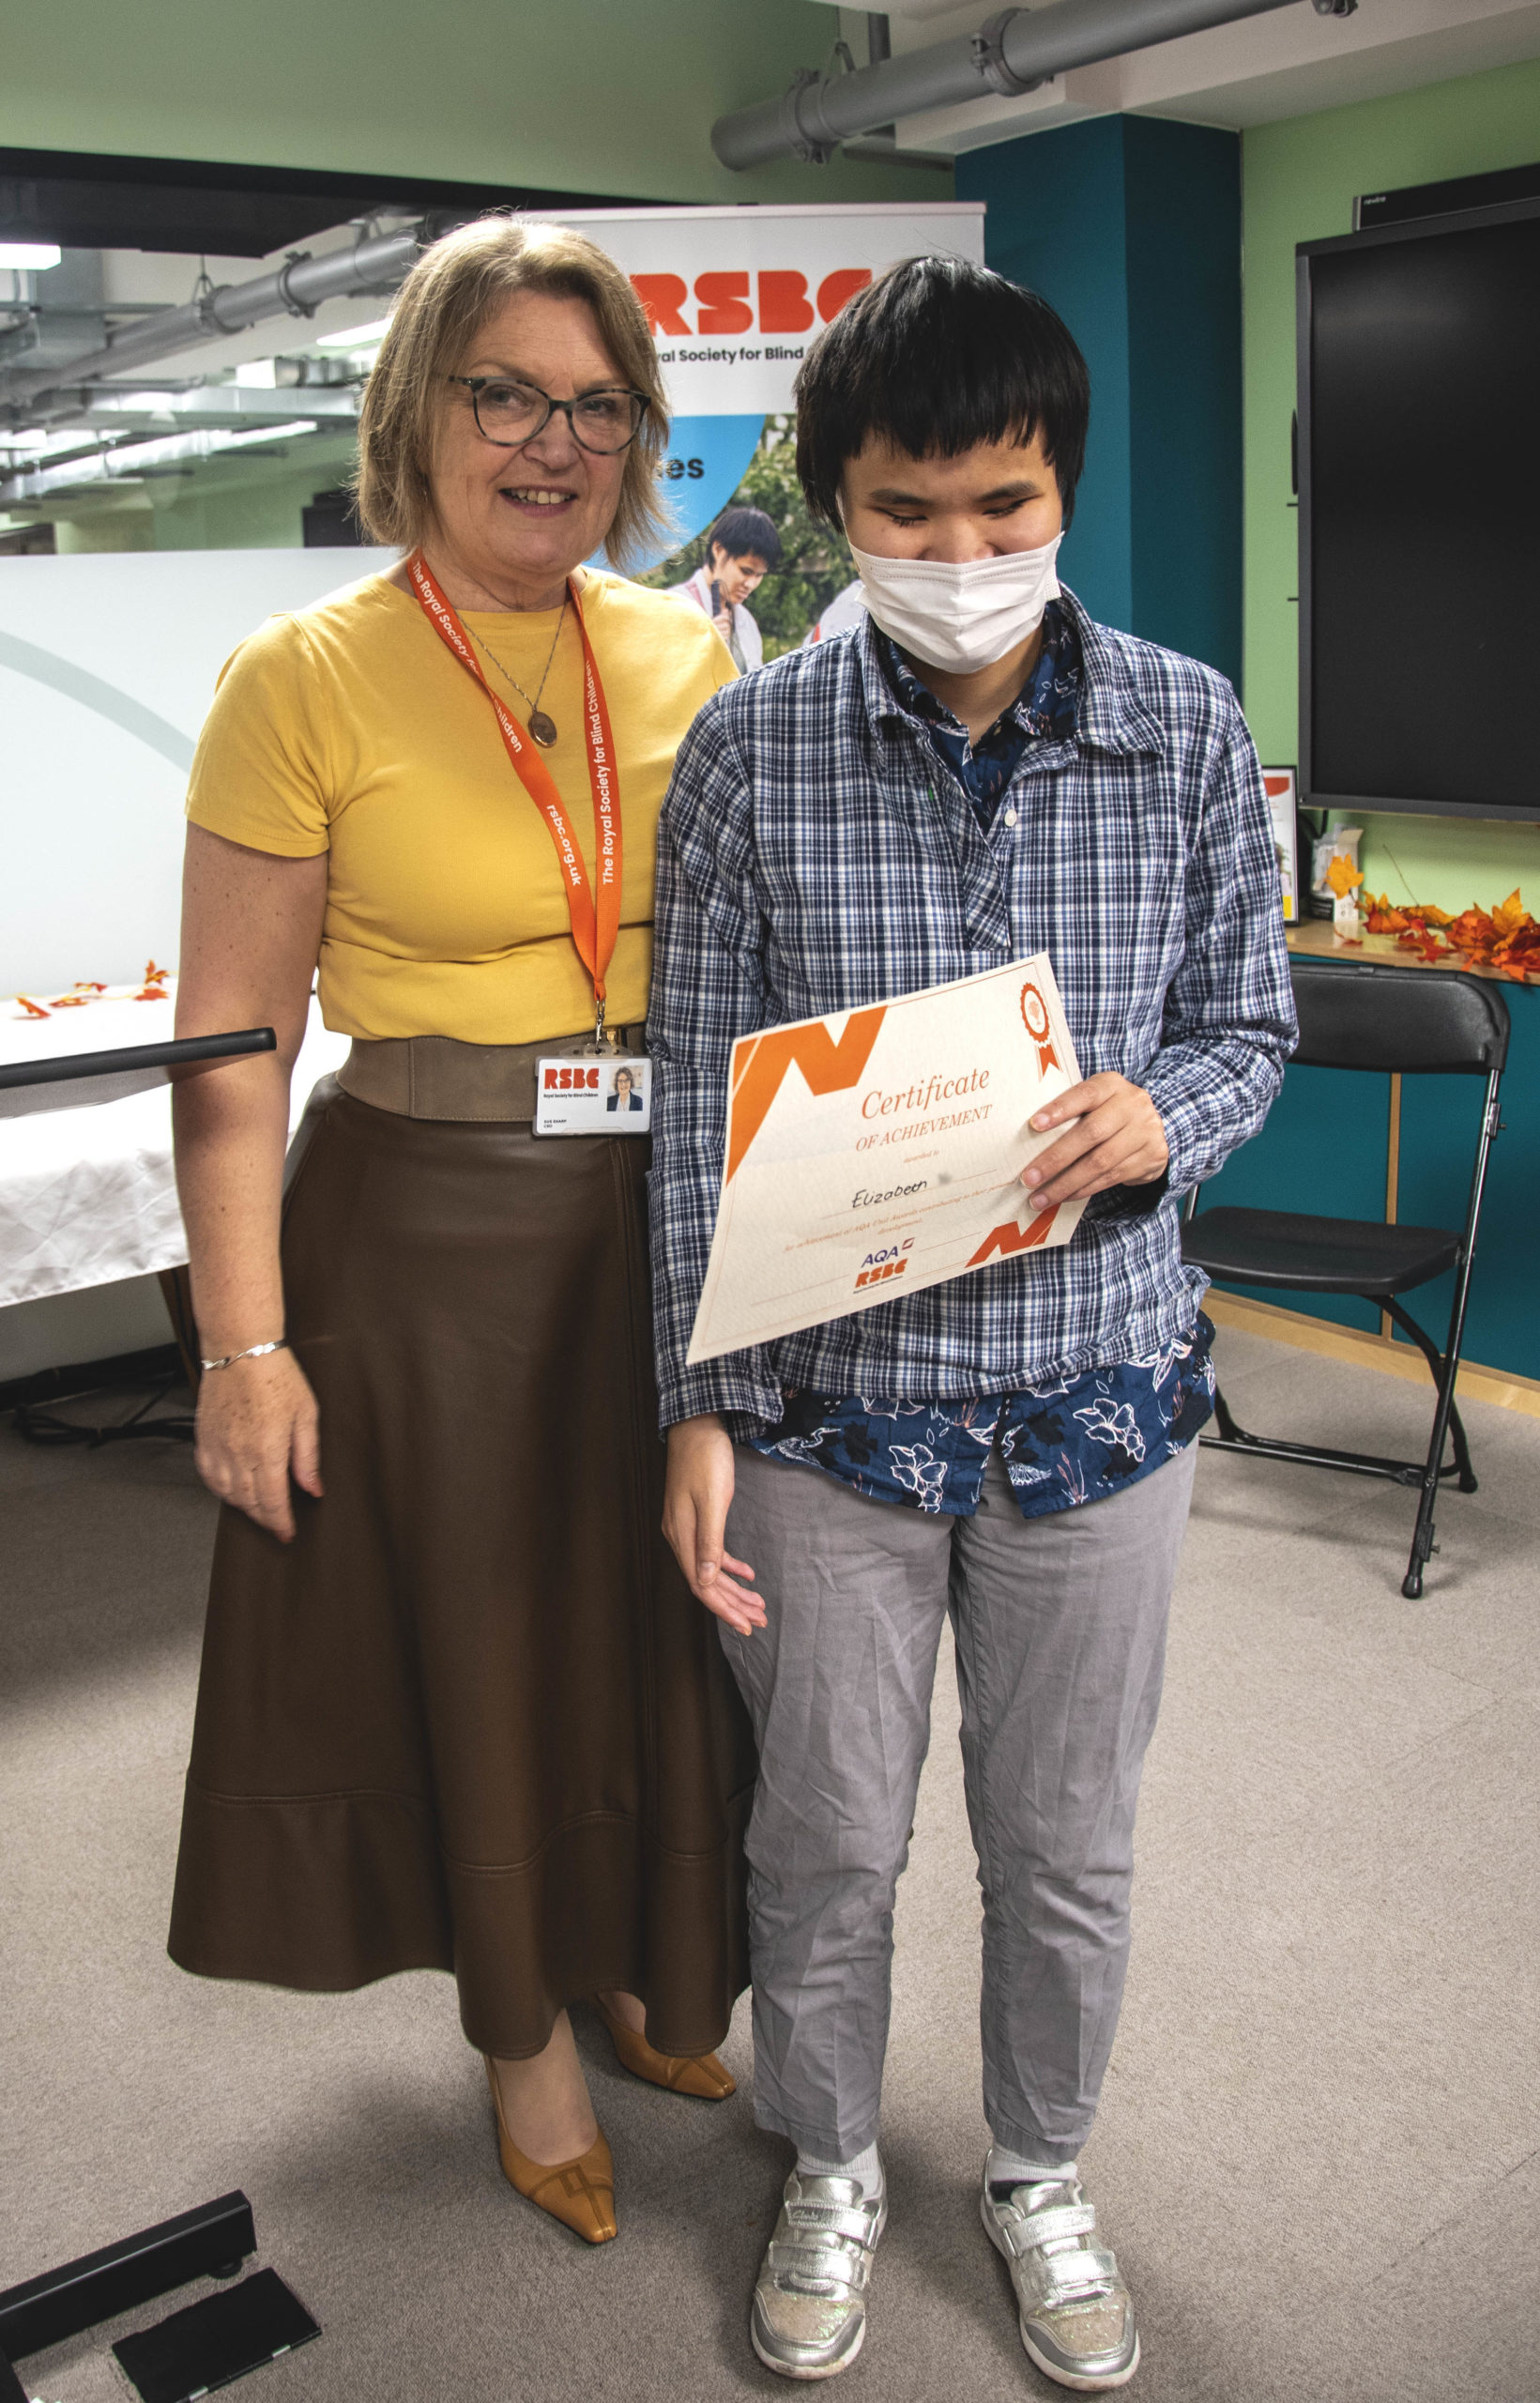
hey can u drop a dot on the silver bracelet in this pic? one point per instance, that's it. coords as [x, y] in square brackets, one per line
[252, 1352]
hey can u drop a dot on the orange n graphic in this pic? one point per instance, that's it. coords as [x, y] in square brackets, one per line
[1011, 1237]
[827, 1066]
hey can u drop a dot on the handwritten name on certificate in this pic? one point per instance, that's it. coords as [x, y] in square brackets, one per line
[876, 1154]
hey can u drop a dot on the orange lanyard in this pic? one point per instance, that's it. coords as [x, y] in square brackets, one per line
[595, 925]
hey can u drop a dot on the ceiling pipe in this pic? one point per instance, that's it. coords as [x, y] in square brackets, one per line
[883, 143]
[375, 263]
[1015, 52]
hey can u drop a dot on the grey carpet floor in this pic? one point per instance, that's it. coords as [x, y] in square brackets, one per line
[1319, 2152]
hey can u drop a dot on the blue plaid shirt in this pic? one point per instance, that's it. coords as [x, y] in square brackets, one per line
[813, 859]
[1062, 1443]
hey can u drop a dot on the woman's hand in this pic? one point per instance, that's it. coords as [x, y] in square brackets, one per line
[695, 1505]
[258, 1426]
[1116, 1139]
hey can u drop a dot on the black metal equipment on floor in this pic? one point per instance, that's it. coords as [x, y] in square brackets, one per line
[222, 2336]
[209, 2242]
[1407, 1021]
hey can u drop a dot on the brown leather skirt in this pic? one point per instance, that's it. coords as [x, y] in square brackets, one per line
[472, 1718]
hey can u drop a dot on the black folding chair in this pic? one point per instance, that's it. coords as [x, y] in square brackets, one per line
[1409, 1021]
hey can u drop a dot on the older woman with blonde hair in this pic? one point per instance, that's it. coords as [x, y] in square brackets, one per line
[457, 1709]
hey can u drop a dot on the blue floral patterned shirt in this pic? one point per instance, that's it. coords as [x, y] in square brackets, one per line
[1062, 1443]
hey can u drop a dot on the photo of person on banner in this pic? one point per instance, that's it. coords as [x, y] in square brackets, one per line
[971, 773]
[742, 549]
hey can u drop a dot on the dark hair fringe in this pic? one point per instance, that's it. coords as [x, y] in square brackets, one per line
[743, 533]
[937, 356]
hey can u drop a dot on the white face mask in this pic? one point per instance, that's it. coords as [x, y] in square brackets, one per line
[960, 618]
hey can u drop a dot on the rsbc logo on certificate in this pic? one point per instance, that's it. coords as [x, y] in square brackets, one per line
[876, 1154]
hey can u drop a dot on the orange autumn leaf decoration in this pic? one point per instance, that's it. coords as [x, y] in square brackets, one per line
[33, 1009]
[155, 983]
[1342, 876]
[1505, 939]
[83, 989]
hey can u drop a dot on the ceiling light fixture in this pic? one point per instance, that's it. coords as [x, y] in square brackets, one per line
[356, 337]
[266, 434]
[29, 254]
[121, 462]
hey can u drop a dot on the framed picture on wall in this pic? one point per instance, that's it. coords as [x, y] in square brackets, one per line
[1283, 801]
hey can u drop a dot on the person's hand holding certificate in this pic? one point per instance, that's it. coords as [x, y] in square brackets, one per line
[879, 1153]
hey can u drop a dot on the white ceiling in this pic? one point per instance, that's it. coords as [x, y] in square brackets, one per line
[1288, 63]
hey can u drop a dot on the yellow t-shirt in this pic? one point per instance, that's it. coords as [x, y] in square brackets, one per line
[350, 728]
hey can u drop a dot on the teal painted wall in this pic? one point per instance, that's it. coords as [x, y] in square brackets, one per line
[1183, 220]
[1057, 222]
[1131, 227]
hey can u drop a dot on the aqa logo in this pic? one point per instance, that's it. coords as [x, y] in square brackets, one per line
[878, 1266]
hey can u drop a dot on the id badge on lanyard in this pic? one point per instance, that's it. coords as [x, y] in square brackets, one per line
[591, 1087]
[577, 1094]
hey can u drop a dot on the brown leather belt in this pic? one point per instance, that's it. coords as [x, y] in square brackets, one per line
[433, 1075]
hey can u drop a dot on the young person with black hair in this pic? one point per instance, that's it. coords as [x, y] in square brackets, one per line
[742, 549]
[975, 772]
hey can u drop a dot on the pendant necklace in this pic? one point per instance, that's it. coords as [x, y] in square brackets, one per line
[542, 727]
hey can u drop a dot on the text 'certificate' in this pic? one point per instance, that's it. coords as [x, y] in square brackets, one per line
[876, 1154]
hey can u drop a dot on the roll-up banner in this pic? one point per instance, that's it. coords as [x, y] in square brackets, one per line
[734, 297]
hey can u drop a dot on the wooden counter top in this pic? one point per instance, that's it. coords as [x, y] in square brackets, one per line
[1316, 939]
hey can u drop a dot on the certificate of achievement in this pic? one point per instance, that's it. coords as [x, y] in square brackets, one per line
[876, 1154]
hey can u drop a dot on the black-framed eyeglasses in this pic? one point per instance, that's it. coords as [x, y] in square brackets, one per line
[511, 413]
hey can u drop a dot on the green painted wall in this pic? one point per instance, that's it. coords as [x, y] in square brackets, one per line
[1299, 182]
[599, 96]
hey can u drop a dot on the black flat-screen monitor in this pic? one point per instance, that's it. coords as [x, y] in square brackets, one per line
[1419, 488]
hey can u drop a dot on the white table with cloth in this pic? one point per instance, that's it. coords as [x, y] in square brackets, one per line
[88, 1196]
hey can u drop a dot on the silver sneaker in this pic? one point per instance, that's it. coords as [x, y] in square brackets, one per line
[1076, 2313]
[809, 2316]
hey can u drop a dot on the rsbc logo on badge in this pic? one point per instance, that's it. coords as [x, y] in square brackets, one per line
[569, 1080]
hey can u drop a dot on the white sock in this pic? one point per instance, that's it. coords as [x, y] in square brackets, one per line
[866, 2166]
[1004, 2168]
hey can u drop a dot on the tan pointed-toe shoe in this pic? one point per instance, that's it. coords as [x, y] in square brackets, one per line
[580, 2192]
[698, 2073]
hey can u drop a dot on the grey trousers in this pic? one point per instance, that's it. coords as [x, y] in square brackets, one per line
[1060, 1625]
